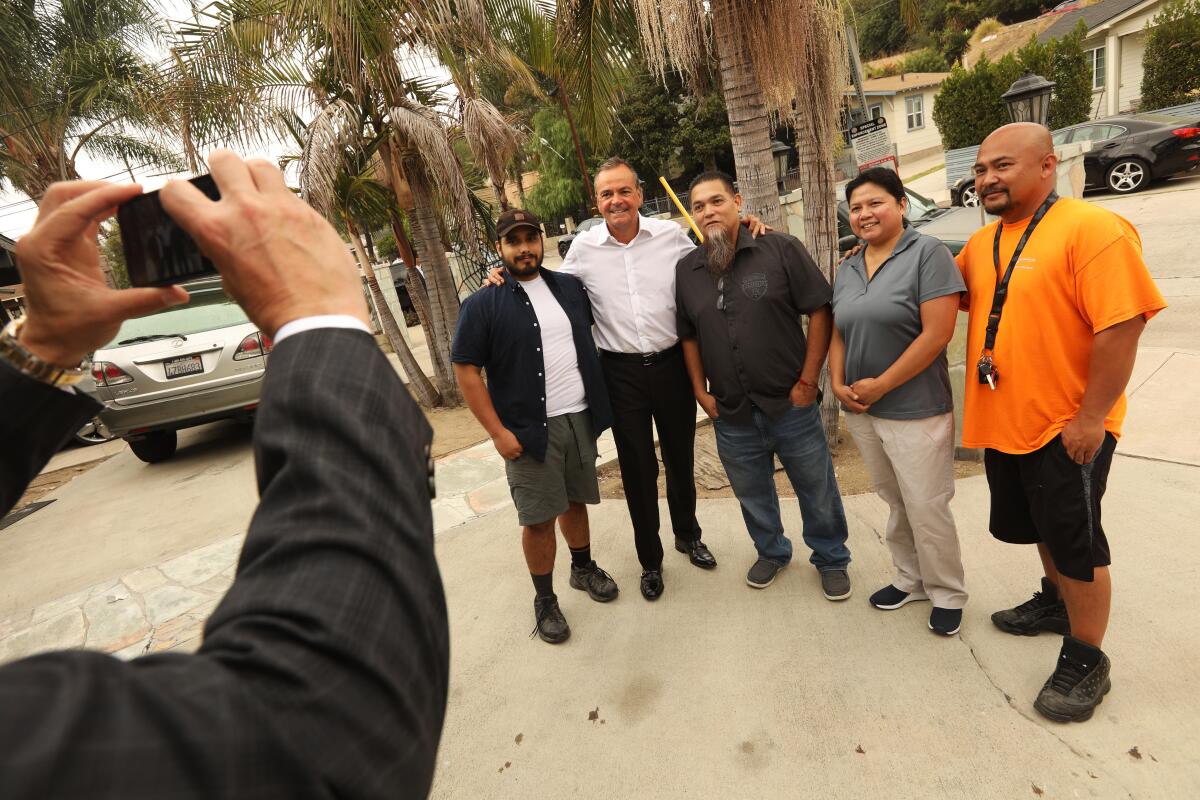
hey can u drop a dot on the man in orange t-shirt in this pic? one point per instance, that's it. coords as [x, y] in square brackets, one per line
[1049, 417]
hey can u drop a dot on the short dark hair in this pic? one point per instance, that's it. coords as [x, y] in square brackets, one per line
[882, 177]
[617, 162]
[713, 175]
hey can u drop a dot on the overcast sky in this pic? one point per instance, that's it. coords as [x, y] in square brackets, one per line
[17, 212]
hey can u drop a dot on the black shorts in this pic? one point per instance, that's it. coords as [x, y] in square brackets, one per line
[1045, 497]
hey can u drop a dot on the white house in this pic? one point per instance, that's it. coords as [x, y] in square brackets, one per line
[906, 101]
[1115, 44]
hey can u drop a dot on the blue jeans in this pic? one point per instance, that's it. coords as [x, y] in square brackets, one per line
[748, 451]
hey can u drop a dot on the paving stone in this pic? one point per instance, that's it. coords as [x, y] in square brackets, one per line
[216, 585]
[144, 580]
[449, 512]
[56, 608]
[134, 650]
[15, 622]
[460, 473]
[199, 565]
[115, 621]
[168, 602]
[490, 497]
[64, 631]
[170, 635]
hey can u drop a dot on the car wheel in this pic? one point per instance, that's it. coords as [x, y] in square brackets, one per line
[90, 434]
[155, 447]
[968, 197]
[1128, 175]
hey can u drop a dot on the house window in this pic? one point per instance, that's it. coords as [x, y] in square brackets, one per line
[914, 109]
[875, 110]
[1097, 58]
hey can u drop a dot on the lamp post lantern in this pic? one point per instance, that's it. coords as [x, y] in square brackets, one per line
[1028, 99]
[779, 152]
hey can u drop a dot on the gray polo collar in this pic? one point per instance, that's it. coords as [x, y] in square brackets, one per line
[859, 261]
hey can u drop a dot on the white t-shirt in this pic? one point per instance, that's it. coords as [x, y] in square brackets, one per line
[564, 384]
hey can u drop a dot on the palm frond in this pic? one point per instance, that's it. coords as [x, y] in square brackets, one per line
[334, 133]
[423, 136]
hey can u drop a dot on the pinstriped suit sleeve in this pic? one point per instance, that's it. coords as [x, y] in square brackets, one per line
[323, 671]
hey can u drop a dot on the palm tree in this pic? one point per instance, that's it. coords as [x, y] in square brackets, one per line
[353, 194]
[259, 59]
[73, 79]
[778, 58]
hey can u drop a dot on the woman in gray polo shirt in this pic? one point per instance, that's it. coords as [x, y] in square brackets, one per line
[894, 308]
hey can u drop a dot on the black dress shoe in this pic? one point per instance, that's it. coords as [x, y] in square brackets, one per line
[697, 553]
[652, 584]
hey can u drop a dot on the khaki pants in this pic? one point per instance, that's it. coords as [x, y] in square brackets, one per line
[911, 463]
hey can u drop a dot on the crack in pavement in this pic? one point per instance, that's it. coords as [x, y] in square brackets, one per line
[1080, 754]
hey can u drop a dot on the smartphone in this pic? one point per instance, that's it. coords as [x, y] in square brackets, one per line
[157, 251]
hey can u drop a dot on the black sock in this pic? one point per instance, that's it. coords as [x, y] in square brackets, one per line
[543, 584]
[581, 557]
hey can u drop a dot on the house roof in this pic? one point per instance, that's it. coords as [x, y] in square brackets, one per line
[899, 84]
[1093, 16]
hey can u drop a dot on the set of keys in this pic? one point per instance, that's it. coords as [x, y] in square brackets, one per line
[987, 371]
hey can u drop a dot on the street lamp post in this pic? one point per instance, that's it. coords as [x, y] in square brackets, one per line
[1028, 99]
[779, 152]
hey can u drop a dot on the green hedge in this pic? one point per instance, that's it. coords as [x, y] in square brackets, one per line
[968, 105]
[1171, 65]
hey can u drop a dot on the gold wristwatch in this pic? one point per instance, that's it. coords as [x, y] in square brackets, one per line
[25, 362]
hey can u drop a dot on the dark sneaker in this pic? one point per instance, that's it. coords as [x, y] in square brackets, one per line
[697, 552]
[596, 582]
[835, 584]
[889, 598]
[762, 574]
[1078, 684]
[945, 621]
[1045, 611]
[551, 624]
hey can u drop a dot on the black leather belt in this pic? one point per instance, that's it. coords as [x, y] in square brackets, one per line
[645, 359]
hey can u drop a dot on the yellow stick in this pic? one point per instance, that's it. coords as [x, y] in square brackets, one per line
[682, 210]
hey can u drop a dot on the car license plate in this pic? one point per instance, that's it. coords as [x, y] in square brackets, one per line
[182, 367]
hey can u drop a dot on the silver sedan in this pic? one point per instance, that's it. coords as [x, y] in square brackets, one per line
[177, 368]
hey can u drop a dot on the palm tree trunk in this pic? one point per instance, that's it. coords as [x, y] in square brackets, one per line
[583, 170]
[420, 386]
[443, 294]
[519, 179]
[501, 194]
[749, 129]
[443, 374]
[820, 234]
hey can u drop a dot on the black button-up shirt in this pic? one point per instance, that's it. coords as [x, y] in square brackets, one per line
[498, 330]
[753, 349]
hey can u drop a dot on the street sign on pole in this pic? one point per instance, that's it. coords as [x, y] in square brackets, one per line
[872, 145]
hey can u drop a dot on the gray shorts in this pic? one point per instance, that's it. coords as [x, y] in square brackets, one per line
[541, 490]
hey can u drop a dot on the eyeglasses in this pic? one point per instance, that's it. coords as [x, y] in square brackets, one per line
[721, 294]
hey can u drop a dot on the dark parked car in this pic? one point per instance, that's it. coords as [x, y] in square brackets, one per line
[1126, 154]
[564, 242]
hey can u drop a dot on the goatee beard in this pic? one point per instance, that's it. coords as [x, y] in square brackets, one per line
[522, 271]
[720, 249]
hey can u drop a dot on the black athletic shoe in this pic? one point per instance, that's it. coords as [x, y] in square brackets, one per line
[551, 625]
[889, 598]
[1078, 684]
[945, 621]
[1045, 611]
[596, 582]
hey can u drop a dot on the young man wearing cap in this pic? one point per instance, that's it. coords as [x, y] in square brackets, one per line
[544, 405]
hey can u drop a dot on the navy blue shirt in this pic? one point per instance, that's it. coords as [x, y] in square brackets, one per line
[498, 330]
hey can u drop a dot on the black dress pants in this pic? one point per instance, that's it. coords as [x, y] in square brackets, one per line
[662, 392]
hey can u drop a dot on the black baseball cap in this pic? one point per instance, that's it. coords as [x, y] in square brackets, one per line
[515, 218]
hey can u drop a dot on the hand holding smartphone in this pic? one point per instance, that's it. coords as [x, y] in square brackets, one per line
[157, 251]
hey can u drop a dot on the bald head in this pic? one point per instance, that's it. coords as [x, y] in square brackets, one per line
[1015, 170]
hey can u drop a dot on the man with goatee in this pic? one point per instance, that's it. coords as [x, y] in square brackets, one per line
[739, 301]
[544, 405]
